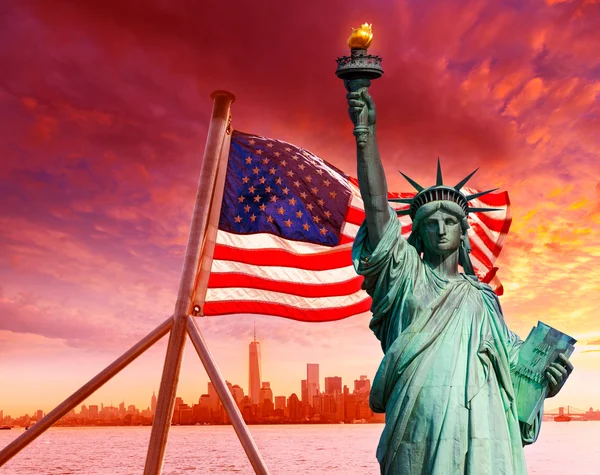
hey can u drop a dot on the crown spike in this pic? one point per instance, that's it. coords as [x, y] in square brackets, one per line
[401, 200]
[415, 185]
[402, 212]
[464, 181]
[483, 210]
[439, 181]
[481, 193]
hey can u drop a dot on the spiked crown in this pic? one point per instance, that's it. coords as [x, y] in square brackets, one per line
[441, 192]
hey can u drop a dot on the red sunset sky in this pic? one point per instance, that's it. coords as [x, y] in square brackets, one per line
[104, 108]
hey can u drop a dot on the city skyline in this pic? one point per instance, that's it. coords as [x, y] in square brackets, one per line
[333, 387]
[252, 357]
[309, 394]
[280, 401]
[308, 387]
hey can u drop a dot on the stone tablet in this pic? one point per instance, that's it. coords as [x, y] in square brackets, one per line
[542, 347]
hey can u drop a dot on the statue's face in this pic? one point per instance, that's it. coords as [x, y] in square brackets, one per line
[441, 233]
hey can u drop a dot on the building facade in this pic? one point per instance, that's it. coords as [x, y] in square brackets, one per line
[254, 373]
[312, 381]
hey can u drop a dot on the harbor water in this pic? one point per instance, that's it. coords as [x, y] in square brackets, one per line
[563, 449]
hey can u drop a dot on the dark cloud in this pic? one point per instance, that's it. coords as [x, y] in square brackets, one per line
[104, 108]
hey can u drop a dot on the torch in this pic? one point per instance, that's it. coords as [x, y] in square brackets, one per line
[363, 66]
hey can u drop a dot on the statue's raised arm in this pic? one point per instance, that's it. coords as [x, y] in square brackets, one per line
[446, 382]
[371, 176]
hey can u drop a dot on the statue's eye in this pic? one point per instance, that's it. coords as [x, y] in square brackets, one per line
[450, 221]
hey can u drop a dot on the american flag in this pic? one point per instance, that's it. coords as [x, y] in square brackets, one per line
[287, 223]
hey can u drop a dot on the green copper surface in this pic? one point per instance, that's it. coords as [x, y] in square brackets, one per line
[541, 348]
[444, 382]
[462, 394]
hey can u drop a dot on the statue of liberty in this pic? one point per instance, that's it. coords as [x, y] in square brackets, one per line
[445, 381]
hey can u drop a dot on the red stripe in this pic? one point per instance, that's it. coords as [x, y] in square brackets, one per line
[498, 288]
[487, 278]
[235, 279]
[355, 215]
[280, 310]
[495, 200]
[487, 242]
[497, 225]
[345, 239]
[481, 257]
[333, 259]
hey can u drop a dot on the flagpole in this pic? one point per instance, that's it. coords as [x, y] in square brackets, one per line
[198, 341]
[212, 229]
[170, 377]
[83, 393]
[258, 464]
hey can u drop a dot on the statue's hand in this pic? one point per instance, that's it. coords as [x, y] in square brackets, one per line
[557, 374]
[359, 98]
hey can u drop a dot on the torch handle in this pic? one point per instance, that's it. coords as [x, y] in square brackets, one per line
[361, 119]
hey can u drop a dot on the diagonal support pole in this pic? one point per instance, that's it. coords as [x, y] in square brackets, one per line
[83, 393]
[226, 398]
[170, 377]
[193, 330]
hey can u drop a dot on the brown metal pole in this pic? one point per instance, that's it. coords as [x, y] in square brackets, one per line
[170, 377]
[83, 393]
[227, 399]
[196, 336]
[210, 238]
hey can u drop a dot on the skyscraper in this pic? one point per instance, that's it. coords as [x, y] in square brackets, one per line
[280, 402]
[266, 400]
[153, 403]
[238, 393]
[254, 371]
[333, 383]
[312, 381]
[266, 393]
[214, 397]
[362, 384]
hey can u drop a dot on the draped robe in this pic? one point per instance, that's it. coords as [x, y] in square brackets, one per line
[444, 382]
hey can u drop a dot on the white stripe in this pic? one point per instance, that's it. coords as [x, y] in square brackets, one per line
[398, 205]
[255, 295]
[357, 202]
[405, 221]
[265, 241]
[286, 274]
[476, 242]
[354, 189]
[493, 235]
[350, 230]
[478, 267]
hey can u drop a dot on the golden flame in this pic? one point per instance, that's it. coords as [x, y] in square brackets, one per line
[361, 37]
